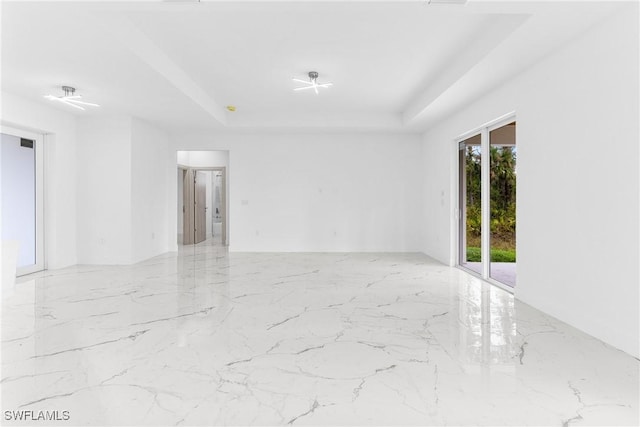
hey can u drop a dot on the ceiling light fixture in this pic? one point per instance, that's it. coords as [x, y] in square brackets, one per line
[446, 1]
[69, 98]
[312, 83]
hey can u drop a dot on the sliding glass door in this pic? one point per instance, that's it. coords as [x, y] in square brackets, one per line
[22, 200]
[470, 202]
[487, 202]
[502, 187]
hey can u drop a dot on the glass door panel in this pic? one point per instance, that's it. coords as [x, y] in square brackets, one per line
[470, 204]
[502, 190]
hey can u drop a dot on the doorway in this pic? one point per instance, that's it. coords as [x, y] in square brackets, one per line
[202, 212]
[487, 202]
[22, 185]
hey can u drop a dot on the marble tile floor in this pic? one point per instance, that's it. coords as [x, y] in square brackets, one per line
[503, 272]
[203, 337]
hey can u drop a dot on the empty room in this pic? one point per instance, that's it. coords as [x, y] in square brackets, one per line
[420, 212]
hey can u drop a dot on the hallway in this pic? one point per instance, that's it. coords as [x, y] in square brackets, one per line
[204, 337]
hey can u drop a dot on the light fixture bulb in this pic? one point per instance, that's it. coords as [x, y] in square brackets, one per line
[69, 98]
[312, 83]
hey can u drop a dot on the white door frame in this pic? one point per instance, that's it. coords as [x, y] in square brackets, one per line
[223, 196]
[39, 180]
[485, 165]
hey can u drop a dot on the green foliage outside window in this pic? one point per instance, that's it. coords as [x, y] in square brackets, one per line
[503, 203]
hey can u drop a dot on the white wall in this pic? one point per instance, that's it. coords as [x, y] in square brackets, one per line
[149, 147]
[104, 192]
[122, 205]
[60, 163]
[319, 192]
[89, 186]
[578, 190]
[203, 159]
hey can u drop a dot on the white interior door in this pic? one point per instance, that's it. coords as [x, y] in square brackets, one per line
[200, 206]
[188, 210]
[22, 184]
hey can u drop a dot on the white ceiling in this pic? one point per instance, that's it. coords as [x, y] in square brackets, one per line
[396, 65]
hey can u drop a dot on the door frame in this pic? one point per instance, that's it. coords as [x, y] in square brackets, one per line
[188, 238]
[39, 153]
[223, 195]
[485, 165]
[460, 205]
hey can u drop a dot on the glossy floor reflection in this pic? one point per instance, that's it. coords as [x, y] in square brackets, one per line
[205, 338]
[503, 272]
